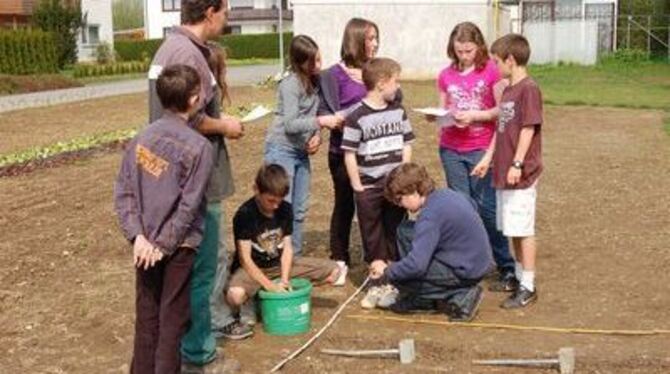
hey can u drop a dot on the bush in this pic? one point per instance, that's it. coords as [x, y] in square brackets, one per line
[104, 53]
[254, 45]
[238, 47]
[626, 57]
[27, 52]
[93, 70]
[64, 22]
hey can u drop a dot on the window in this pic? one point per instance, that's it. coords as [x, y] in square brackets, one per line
[90, 34]
[241, 4]
[171, 5]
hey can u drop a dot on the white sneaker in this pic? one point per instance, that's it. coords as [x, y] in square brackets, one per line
[342, 278]
[388, 297]
[371, 297]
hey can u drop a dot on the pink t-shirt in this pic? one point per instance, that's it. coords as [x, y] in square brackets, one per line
[472, 91]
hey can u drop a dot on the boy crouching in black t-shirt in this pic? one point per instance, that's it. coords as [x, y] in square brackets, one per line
[262, 227]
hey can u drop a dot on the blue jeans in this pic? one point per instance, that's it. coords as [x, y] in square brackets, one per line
[296, 163]
[457, 168]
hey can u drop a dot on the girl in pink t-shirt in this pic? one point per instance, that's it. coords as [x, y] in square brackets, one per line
[470, 88]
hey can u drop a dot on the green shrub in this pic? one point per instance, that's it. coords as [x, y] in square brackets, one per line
[64, 22]
[626, 57]
[254, 45]
[27, 51]
[97, 70]
[238, 47]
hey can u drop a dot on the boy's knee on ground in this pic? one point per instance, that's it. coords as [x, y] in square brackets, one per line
[236, 296]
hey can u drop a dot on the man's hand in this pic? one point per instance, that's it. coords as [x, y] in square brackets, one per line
[232, 127]
[513, 176]
[377, 268]
[313, 144]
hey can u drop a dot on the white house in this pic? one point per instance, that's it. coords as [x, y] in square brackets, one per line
[97, 28]
[245, 17]
[413, 32]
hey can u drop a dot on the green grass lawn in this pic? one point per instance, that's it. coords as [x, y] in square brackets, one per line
[645, 85]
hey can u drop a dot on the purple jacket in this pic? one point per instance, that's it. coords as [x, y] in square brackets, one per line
[160, 187]
[182, 47]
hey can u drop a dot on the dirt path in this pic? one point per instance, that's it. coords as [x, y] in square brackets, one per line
[66, 300]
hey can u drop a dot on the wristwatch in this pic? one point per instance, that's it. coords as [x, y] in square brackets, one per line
[517, 164]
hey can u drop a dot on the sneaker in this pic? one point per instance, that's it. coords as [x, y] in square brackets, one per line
[372, 297]
[520, 298]
[467, 312]
[388, 296]
[234, 331]
[218, 366]
[342, 278]
[411, 304]
[506, 282]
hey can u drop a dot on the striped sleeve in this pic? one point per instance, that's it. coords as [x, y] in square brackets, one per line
[407, 133]
[351, 139]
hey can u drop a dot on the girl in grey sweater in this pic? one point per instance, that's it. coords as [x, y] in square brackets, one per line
[294, 134]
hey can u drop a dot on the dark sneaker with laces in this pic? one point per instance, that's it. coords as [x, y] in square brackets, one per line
[468, 310]
[413, 304]
[506, 282]
[520, 299]
[234, 331]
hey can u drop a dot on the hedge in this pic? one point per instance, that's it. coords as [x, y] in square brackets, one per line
[95, 70]
[27, 51]
[238, 46]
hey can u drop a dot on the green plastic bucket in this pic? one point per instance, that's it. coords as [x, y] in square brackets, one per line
[287, 313]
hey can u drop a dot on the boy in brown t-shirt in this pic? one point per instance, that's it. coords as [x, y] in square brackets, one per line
[517, 161]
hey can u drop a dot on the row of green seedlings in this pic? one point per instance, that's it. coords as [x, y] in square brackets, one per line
[113, 68]
[77, 144]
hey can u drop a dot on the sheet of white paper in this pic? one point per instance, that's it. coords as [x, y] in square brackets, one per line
[256, 113]
[437, 112]
[444, 117]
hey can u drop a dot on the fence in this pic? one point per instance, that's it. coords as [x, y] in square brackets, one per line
[649, 32]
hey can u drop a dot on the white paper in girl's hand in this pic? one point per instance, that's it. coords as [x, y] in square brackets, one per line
[443, 116]
[256, 113]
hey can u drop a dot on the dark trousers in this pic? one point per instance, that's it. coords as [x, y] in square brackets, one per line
[378, 219]
[439, 283]
[162, 314]
[343, 209]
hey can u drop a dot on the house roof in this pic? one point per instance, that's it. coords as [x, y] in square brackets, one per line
[238, 15]
[17, 7]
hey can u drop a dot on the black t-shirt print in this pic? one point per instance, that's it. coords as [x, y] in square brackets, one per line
[265, 233]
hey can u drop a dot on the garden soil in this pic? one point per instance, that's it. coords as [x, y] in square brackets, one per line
[67, 282]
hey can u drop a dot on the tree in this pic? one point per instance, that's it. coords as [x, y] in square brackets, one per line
[63, 20]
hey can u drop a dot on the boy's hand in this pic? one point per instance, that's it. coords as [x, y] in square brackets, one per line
[358, 187]
[513, 176]
[377, 268]
[277, 287]
[482, 167]
[286, 284]
[233, 128]
[143, 252]
[313, 144]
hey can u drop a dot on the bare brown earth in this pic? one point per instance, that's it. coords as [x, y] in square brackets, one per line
[67, 285]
